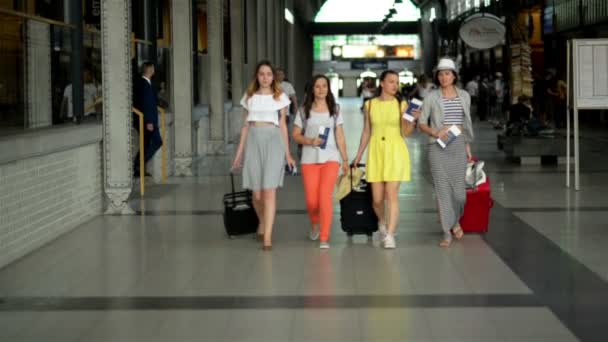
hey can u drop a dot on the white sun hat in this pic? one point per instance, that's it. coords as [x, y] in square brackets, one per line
[446, 64]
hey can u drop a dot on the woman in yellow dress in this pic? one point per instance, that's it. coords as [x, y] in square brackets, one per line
[388, 160]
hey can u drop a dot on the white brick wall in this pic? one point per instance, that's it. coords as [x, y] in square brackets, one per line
[44, 197]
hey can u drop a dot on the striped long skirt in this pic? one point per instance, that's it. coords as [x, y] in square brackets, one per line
[448, 167]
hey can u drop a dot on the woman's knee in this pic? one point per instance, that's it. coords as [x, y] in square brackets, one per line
[269, 195]
[378, 202]
[257, 196]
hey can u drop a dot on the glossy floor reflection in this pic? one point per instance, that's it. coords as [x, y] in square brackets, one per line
[170, 274]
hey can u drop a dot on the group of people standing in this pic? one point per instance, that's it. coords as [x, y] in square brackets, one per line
[263, 150]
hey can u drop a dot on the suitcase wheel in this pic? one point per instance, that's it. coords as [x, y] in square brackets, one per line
[350, 234]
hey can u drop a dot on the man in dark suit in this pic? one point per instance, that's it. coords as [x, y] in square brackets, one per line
[145, 99]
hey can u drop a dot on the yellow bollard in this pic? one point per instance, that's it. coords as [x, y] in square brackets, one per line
[141, 150]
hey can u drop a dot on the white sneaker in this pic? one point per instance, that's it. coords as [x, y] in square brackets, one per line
[324, 245]
[389, 242]
[314, 235]
[382, 232]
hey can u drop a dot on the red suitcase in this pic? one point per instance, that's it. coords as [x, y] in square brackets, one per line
[477, 209]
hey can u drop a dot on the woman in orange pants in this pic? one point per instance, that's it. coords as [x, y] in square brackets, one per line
[321, 158]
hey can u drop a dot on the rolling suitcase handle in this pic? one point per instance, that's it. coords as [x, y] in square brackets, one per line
[233, 194]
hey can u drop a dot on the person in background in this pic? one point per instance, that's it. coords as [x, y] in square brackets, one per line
[521, 111]
[320, 166]
[288, 89]
[499, 90]
[90, 94]
[367, 90]
[423, 87]
[472, 88]
[446, 107]
[145, 100]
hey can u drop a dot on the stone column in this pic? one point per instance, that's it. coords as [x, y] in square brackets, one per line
[237, 44]
[215, 29]
[39, 100]
[290, 45]
[262, 38]
[278, 32]
[252, 37]
[237, 41]
[116, 77]
[181, 33]
[270, 31]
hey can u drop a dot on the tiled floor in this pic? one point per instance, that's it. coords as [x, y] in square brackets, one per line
[170, 274]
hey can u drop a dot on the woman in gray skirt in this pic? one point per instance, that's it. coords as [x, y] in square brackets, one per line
[443, 109]
[263, 146]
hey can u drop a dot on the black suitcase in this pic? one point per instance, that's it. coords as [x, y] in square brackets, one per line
[356, 211]
[239, 215]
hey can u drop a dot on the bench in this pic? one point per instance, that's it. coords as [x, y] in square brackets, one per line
[533, 150]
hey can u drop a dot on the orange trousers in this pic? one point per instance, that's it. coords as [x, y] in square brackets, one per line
[319, 182]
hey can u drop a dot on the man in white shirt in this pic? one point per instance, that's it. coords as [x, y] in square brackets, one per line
[90, 95]
[499, 89]
[472, 88]
[288, 89]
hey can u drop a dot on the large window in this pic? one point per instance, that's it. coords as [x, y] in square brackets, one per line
[35, 66]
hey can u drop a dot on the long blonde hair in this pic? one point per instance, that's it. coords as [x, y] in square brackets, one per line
[254, 85]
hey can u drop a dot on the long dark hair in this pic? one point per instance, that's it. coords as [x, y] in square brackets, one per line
[254, 86]
[383, 76]
[310, 97]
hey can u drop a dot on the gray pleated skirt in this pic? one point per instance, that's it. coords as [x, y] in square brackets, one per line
[448, 167]
[264, 164]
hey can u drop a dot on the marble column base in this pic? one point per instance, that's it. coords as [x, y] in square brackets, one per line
[216, 147]
[118, 202]
[183, 167]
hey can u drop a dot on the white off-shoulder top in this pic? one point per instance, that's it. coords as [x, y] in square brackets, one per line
[264, 108]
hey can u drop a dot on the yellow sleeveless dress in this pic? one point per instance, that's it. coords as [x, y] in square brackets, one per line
[388, 159]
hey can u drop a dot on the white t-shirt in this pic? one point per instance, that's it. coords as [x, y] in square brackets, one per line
[316, 155]
[288, 88]
[90, 93]
[499, 89]
[472, 88]
[264, 108]
[423, 91]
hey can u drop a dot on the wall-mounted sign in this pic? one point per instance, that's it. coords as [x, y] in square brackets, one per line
[364, 65]
[93, 13]
[482, 31]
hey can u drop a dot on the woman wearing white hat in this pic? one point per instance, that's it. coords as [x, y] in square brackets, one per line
[443, 109]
